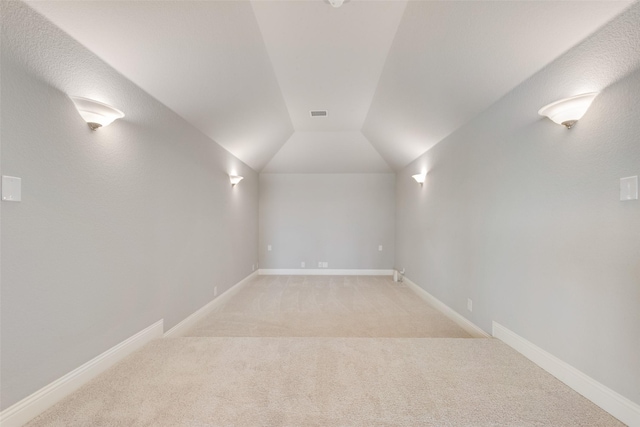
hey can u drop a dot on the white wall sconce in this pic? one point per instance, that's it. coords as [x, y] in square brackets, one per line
[568, 111]
[95, 113]
[336, 3]
[235, 179]
[420, 177]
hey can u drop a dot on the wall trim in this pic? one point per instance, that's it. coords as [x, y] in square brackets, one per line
[322, 272]
[30, 407]
[474, 330]
[181, 328]
[614, 403]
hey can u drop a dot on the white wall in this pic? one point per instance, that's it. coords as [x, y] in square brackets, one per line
[523, 216]
[337, 218]
[117, 228]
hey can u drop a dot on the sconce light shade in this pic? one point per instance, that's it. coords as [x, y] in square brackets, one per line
[235, 179]
[95, 113]
[336, 3]
[568, 111]
[420, 177]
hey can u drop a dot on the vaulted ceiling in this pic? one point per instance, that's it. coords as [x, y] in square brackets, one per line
[396, 77]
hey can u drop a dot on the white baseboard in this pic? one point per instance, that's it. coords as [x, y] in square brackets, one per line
[617, 405]
[323, 272]
[32, 406]
[182, 327]
[462, 321]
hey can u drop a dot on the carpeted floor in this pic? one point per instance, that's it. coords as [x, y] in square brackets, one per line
[354, 379]
[327, 306]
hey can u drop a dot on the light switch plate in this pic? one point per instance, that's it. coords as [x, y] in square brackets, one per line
[11, 189]
[628, 188]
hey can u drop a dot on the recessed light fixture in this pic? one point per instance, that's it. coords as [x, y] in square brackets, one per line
[95, 113]
[235, 179]
[420, 177]
[568, 111]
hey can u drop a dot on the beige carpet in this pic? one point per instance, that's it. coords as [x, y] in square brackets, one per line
[327, 306]
[324, 381]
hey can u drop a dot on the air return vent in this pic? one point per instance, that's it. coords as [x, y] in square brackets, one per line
[319, 113]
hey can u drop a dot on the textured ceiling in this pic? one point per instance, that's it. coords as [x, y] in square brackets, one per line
[204, 60]
[328, 59]
[396, 77]
[327, 152]
[451, 60]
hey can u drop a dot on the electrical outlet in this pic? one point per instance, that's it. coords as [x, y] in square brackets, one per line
[302, 264]
[319, 264]
[269, 248]
[380, 248]
[325, 264]
[253, 267]
[215, 291]
[469, 304]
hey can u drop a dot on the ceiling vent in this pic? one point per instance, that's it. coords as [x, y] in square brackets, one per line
[319, 113]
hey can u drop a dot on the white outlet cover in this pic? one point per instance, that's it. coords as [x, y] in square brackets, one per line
[268, 247]
[380, 248]
[11, 189]
[302, 264]
[325, 264]
[628, 188]
[215, 291]
[469, 304]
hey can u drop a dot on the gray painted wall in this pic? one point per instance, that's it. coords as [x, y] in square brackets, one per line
[523, 216]
[117, 228]
[337, 218]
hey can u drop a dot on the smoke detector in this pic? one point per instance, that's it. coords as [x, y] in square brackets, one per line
[319, 113]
